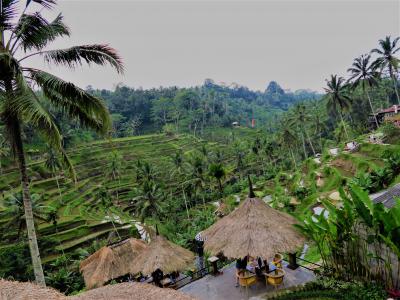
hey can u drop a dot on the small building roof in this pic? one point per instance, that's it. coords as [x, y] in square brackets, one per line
[387, 197]
[394, 108]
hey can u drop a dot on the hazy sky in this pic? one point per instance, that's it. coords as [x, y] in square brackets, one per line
[163, 43]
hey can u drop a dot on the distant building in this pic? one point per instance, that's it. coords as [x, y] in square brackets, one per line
[235, 124]
[391, 114]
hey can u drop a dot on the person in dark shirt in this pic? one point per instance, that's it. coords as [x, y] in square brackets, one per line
[157, 277]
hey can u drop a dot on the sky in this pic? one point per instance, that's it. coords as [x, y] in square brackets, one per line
[180, 43]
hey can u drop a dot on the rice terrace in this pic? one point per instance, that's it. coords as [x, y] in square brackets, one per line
[133, 165]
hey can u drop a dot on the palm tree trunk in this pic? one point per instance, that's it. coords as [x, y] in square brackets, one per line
[30, 225]
[372, 109]
[186, 206]
[344, 125]
[294, 160]
[220, 186]
[309, 141]
[304, 145]
[394, 80]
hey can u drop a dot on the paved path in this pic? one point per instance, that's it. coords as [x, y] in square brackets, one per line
[222, 287]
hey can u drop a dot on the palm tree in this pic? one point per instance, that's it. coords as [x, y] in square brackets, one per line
[364, 74]
[217, 171]
[388, 49]
[105, 201]
[288, 138]
[28, 35]
[114, 170]
[300, 117]
[318, 125]
[147, 203]
[14, 209]
[338, 99]
[4, 150]
[53, 164]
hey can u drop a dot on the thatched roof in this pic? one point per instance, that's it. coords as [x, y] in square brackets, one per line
[132, 291]
[111, 262]
[255, 229]
[164, 255]
[14, 290]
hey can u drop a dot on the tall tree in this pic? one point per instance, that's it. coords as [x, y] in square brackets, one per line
[364, 74]
[14, 211]
[148, 203]
[288, 138]
[28, 35]
[54, 165]
[217, 171]
[338, 98]
[387, 59]
[301, 117]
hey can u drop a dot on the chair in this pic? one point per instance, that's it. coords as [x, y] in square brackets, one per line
[246, 280]
[277, 261]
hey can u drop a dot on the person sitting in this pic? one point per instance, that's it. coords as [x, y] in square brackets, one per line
[251, 264]
[157, 277]
[277, 261]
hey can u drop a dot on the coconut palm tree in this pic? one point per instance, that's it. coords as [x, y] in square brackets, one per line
[217, 171]
[53, 164]
[27, 35]
[287, 137]
[299, 118]
[114, 169]
[338, 98]
[14, 211]
[387, 59]
[364, 74]
[4, 150]
[105, 201]
[148, 203]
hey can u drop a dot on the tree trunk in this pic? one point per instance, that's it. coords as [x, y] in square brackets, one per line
[394, 82]
[186, 206]
[344, 125]
[220, 186]
[30, 225]
[372, 109]
[304, 145]
[309, 141]
[395, 89]
[294, 160]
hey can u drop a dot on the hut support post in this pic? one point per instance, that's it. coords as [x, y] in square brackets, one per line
[292, 261]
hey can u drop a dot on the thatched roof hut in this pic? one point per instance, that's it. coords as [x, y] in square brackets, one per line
[111, 262]
[164, 255]
[132, 291]
[255, 229]
[14, 290]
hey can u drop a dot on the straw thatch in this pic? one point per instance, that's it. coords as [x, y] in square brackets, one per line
[111, 262]
[132, 291]
[164, 255]
[14, 290]
[255, 229]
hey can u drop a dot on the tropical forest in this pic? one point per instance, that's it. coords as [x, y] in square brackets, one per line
[206, 191]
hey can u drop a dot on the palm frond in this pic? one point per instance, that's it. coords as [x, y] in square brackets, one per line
[88, 109]
[25, 104]
[8, 13]
[74, 56]
[68, 164]
[35, 32]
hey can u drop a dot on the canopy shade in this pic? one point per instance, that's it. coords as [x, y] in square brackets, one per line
[27, 290]
[111, 262]
[164, 255]
[255, 229]
[132, 291]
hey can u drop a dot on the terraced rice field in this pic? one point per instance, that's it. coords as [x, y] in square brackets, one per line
[80, 220]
